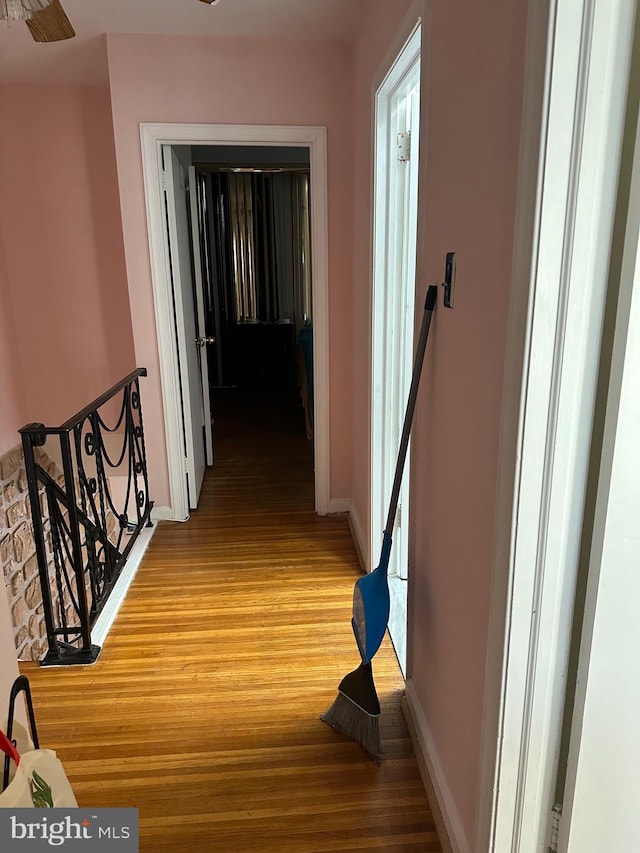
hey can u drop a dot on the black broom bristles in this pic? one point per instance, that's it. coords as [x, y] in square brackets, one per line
[356, 711]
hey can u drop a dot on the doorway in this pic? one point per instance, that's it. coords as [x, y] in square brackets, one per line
[154, 136]
[252, 225]
[238, 231]
[395, 234]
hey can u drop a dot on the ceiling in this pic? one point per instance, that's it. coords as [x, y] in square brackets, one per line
[82, 60]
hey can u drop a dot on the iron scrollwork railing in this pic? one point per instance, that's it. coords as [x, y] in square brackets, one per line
[89, 496]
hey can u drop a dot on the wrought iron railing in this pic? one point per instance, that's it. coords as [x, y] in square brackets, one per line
[89, 497]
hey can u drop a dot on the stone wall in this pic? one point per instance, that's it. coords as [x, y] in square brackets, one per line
[18, 558]
[18, 554]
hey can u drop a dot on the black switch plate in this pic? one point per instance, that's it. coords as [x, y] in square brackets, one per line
[449, 279]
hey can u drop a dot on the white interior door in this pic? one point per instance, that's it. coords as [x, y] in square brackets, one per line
[395, 231]
[203, 340]
[405, 120]
[176, 167]
[561, 268]
[602, 796]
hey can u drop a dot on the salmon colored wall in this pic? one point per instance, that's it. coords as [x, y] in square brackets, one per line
[13, 408]
[231, 81]
[472, 83]
[471, 128]
[63, 267]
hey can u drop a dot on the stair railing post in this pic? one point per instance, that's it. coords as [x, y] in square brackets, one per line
[76, 544]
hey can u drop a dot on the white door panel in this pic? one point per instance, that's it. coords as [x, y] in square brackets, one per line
[200, 316]
[186, 331]
[601, 805]
[395, 231]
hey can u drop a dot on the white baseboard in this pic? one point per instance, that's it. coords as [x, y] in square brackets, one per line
[108, 615]
[345, 505]
[435, 782]
[359, 537]
[162, 513]
[338, 505]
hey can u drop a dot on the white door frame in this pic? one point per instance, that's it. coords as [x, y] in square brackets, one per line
[179, 261]
[392, 347]
[153, 136]
[569, 167]
[600, 806]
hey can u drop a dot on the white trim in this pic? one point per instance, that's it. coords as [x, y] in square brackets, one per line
[427, 748]
[179, 250]
[162, 513]
[339, 505]
[383, 417]
[604, 748]
[108, 614]
[590, 48]
[153, 136]
[533, 122]
[357, 531]
[412, 19]
[393, 305]
[163, 308]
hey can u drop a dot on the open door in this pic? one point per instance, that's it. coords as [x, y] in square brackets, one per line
[203, 341]
[194, 405]
[395, 235]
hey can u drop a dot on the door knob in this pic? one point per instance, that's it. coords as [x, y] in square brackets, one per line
[202, 341]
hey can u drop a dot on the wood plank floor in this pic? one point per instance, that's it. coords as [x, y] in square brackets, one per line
[203, 708]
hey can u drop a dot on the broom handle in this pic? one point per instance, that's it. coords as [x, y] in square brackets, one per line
[429, 305]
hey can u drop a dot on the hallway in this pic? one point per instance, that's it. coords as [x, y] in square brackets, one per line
[203, 708]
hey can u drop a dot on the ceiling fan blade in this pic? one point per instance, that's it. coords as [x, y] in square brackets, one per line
[51, 24]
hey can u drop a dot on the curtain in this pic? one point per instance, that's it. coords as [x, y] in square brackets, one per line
[258, 254]
[270, 235]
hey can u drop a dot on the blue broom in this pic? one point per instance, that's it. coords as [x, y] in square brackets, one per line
[356, 710]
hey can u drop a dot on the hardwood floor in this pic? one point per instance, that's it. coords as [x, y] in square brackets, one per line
[203, 708]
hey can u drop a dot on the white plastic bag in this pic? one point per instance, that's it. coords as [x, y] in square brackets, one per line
[39, 780]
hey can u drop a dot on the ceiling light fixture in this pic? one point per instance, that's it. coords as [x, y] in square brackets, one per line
[21, 10]
[46, 19]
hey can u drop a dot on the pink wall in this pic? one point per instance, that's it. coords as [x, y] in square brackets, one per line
[65, 333]
[230, 81]
[471, 128]
[13, 408]
[63, 254]
[470, 131]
